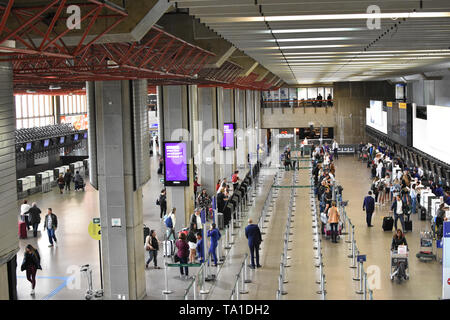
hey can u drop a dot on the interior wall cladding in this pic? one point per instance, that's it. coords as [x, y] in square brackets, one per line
[141, 132]
[8, 186]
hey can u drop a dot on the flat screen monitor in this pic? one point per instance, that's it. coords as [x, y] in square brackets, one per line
[228, 136]
[61, 140]
[176, 166]
[85, 135]
[46, 143]
[75, 137]
[28, 146]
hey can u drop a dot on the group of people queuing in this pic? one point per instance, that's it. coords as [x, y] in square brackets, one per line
[397, 185]
[64, 181]
[324, 173]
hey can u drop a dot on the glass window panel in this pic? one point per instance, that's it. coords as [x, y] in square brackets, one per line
[321, 91]
[302, 94]
[30, 106]
[312, 93]
[70, 104]
[41, 105]
[36, 106]
[18, 100]
[18, 124]
[24, 106]
[84, 101]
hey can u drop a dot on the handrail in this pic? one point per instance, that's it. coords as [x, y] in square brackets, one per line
[242, 277]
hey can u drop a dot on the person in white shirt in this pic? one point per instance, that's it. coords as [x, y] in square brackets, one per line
[397, 209]
[171, 230]
[379, 169]
[24, 208]
[335, 148]
[420, 171]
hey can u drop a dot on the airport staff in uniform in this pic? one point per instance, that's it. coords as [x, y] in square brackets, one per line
[253, 234]
[214, 234]
[369, 207]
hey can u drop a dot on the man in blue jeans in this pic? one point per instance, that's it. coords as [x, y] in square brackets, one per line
[397, 209]
[51, 223]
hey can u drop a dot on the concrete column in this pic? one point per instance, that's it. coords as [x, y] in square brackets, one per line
[175, 105]
[241, 124]
[57, 109]
[118, 113]
[209, 142]
[225, 110]
[9, 243]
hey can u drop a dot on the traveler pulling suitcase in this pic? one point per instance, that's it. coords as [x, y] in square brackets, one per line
[22, 230]
[388, 223]
[168, 248]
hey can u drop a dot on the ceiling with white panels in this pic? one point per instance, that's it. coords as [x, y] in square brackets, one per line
[323, 41]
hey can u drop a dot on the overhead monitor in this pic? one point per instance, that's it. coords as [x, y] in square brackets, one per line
[61, 140]
[85, 135]
[28, 147]
[376, 118]
[75, 137]
[228, 136]
[175, 164]
[46, 143]
[427, 134]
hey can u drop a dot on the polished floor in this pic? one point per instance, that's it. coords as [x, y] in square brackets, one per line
[58, 279]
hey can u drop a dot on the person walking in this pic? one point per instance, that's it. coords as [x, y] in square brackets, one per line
[397, 209]
[215, 235]
[369, 207]
[152, 246]
[162, 200]
[253, 234]
[24, 208]
[413, 195]
[333, 220]
[192, 242]
[79, 182]
[67, 179]
[51, 224]
[60, 182]
[35, 218]
[31, 263]
[183, 254]
[335, 147]
[196, 219]
[170, 221]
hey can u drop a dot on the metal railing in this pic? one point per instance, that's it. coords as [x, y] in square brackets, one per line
[242, 279]
[286, 239]
[317, 242]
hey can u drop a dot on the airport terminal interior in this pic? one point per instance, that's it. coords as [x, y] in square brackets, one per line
[224, 150]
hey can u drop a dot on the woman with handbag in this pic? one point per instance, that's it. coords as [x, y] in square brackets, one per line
[31, 263]
[182, 254]
[152, 246]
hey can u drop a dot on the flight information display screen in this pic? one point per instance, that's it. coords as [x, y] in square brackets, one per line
[176, 166]
[228, 136]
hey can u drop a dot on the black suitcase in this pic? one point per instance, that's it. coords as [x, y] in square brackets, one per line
[146, 232]
[408, 225]
[388, 223]
[423, 213]
[220, 221]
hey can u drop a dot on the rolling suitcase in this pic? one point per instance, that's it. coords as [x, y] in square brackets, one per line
[388, 223]
[423, 213]
[408, 225]
[168, 248]
[146, 232]
[23, 232]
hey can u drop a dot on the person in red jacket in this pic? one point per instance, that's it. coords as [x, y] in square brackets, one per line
[235, 179]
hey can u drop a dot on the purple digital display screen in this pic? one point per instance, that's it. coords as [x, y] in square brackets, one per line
[228, 136]
[175, 160]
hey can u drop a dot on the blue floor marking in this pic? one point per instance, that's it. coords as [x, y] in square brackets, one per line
[65, 280]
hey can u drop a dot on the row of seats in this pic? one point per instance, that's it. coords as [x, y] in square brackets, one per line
[39, 133]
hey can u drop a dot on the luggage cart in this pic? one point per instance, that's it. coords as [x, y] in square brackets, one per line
[90, 293]
[399, 266]
[426, 252]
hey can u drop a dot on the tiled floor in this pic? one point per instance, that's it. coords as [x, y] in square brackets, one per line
[76, 209]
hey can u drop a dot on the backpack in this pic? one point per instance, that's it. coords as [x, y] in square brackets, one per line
[168, 222]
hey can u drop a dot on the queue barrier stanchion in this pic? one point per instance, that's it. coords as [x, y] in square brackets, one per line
[166, 281]
[357, 274]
